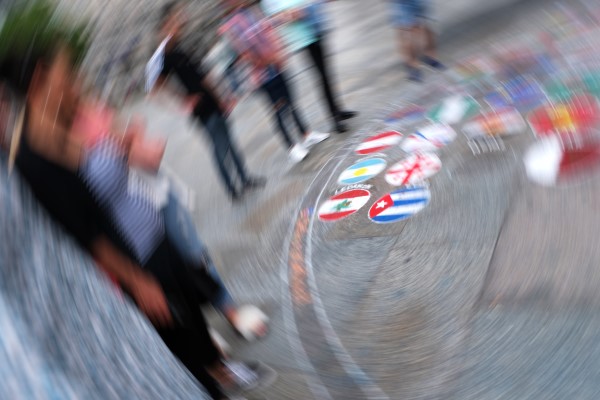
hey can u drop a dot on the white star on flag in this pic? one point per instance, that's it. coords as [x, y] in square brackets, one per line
[381, 204]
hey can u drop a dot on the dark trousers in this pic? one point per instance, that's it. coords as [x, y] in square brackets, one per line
[232, 74]
[230, 164]
[188, 346]
[186, 288]
[317, 55]
[280, 96]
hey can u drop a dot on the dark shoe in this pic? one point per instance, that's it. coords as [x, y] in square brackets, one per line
[433, 63]
[255, 183]
[340, 127]
[235, 196]
[414, 74]
[344, 115]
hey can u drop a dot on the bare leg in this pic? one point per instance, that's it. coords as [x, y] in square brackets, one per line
[429, 50]
[408, 45]
[428, 35]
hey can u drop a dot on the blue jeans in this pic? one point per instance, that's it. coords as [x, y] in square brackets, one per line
[227, 157]
[183, 236]
[281, 99]
[409, 13]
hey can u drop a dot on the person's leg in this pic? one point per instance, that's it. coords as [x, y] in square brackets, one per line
[430, 53]
[424, 45]
[233, 153]
[221, 148]
[316, 53]
[284, 89]
[187, 337]
[408, 44]
[406, 21]
[191, 348]
[311, 138]
[279, 106]
[430, 48]
[232, 75]
[184, 237]
[283, 92]
[426, 34]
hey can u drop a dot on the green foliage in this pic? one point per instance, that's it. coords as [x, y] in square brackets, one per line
[34, 28]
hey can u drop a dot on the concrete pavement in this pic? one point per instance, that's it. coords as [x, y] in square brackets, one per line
[488, 293]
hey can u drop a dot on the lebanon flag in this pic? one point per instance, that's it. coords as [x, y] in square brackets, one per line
[413, 169]
[399, 205]
[343, 204]
[379, 142]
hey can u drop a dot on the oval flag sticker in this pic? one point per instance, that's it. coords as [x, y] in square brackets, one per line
[574, 116]
[362, 171]
[413, 169]
[495, 123]
[343, 205]
[379, 142]
[453, 109]
[429, 138]
[524, 93]
[406, 115]
[399, 205]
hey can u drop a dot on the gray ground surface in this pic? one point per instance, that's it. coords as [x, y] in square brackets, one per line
[489, 293]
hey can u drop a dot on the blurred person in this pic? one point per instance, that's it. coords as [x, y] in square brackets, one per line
[102, 348]
[410, 18]
[200, 97]
[255, 40]
[94, 122]
[65, 334]
[300, 24]
[84, 192]
[140, 225]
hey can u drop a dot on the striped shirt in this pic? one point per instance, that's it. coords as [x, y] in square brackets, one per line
[249, 32]
[139, 222]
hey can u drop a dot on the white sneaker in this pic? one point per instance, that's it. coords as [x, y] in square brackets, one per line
[298, 153]
[247, 376]
[314, 138]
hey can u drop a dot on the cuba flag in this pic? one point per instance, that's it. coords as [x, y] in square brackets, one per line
[399, 205]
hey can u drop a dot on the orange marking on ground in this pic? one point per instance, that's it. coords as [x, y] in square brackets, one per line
[296, 263]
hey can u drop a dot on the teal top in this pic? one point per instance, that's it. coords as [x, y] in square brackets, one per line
[297, 34]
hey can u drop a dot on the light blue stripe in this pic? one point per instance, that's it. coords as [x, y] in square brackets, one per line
[357, 179]
[367, 163]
